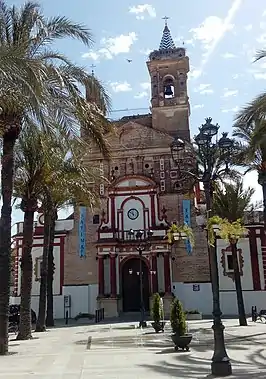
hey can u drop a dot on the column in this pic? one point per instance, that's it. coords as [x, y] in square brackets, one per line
[113, 275]
[167, 274]
[100, 275]
[154, 275]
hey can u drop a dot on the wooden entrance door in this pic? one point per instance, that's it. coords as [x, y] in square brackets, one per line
[131, 285]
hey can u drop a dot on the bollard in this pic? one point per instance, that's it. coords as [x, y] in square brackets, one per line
[254, 313]
[66, 317]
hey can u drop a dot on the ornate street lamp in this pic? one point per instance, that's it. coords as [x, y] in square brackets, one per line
[144, 244]
[208, 151]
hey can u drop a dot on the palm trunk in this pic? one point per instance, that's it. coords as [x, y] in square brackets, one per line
[263, 184]
[26, 274]
[7, 174]
[50, 276]
[40, 325]
[239, 293]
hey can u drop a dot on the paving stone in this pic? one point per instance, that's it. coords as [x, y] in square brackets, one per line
[119, 351]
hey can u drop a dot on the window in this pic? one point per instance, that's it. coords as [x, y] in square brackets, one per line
[162, 185]
[102, 189]
[96, 219]
[162, 175]
[230, 266]
[161, 164]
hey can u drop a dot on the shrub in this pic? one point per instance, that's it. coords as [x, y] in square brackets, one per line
[157, 309]
[193, 312]
[178, 318]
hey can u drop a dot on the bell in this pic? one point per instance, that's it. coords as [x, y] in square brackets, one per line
[168, 91]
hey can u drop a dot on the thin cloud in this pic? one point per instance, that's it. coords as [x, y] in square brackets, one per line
[229, 93]
[143, 10]
[113, 46]
[141, 95]
[121, 87]
[212, 31]
[228, 55]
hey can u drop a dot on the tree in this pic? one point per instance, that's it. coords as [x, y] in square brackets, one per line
[39, 88]
[29, 163]
[230, 231]
[232, 201]
[67, 181]
[249, 127]
[252, 149]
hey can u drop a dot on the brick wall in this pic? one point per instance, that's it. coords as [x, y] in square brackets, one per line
[78, 271]
[187, 268]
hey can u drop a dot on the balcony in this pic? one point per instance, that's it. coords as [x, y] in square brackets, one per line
[126, 236]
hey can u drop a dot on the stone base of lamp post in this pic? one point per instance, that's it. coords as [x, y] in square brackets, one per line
[221, 369]
[110, 305]
[167, 301]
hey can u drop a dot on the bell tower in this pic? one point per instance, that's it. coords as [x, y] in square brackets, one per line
[168, 68]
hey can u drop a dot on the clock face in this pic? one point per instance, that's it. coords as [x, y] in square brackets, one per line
[133, 214]
[41, 219]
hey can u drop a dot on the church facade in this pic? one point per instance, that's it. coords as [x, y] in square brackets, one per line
[100, 259]
[146, 192]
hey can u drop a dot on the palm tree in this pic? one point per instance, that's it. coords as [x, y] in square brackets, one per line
[39, 88]
[29, 163]
[252, 149]
[67, 180]
[230, 202]
[250, 129]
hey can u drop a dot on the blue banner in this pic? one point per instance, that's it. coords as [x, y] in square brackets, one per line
[82, 231]
[187, 221]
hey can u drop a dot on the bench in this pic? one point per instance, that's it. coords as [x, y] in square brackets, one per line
[261, 315]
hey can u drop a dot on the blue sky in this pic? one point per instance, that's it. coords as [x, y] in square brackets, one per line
[221, 39]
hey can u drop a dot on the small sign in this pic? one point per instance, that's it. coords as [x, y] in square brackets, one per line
[196, 287]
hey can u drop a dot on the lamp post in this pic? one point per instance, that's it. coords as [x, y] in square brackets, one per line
[143, 244]
[209, 150]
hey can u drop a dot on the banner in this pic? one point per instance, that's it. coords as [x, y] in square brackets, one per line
[187, 221]
[82, 231]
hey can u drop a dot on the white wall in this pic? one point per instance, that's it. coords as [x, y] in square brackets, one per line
[226, 282]
[83, 300]
[37, 252]
[200, 300]
[229, 302]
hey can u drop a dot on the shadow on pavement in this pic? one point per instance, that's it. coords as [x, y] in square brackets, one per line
[189, 366]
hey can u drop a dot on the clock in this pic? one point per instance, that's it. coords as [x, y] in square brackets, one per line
[41, 219]
[133, 214]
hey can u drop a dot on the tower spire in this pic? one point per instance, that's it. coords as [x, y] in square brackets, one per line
[166, 41]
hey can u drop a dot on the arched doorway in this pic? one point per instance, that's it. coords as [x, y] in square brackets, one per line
[131, 285]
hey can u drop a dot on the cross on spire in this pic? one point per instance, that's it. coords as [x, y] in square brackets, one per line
[165, 18]
[166, 41]
[92, 69]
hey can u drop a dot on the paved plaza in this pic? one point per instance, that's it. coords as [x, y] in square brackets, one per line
[121, 351]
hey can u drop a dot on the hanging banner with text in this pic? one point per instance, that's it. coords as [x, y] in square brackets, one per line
[82, 231]
[187, 221]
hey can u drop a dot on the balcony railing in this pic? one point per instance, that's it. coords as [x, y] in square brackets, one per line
[127, 236]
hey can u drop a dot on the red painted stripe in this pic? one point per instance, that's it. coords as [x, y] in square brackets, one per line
[254, 261]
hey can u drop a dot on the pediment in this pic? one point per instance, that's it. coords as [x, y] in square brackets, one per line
[135, 136]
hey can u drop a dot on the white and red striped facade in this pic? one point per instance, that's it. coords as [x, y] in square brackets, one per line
[62, 228]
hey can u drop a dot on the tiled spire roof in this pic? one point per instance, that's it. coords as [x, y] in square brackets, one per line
[166, 41]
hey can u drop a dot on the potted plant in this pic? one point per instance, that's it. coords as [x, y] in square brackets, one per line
[193, 314]
[229, 231]
[177, 232]
[180, 336]
[157, 313]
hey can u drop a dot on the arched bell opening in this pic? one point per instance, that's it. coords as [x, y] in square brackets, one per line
[169, 88]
